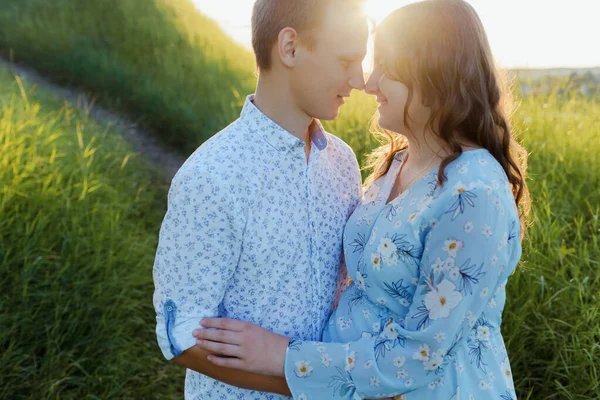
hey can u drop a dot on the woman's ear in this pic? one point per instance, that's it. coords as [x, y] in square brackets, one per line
[286, 45]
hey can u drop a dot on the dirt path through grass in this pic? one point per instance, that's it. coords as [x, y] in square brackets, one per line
[141, 140]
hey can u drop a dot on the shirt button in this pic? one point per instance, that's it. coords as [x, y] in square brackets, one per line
[169, 308]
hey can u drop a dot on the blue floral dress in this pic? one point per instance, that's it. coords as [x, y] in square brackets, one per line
[421, 317]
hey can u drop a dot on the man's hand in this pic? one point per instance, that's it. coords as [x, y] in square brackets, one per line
[243, 345]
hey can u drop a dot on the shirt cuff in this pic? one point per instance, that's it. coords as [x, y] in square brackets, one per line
[181, 336]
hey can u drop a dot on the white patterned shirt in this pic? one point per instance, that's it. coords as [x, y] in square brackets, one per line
[253, 232]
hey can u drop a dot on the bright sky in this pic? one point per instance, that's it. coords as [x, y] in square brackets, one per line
[522, 33]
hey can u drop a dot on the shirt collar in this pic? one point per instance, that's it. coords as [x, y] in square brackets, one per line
[277, 136]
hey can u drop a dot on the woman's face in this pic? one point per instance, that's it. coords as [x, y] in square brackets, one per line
[392, 96]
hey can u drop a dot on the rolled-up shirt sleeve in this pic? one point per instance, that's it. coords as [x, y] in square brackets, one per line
[198, 251]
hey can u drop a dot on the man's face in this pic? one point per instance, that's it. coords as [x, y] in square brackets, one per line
[327, 73]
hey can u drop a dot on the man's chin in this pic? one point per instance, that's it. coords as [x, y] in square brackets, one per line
[328, 116]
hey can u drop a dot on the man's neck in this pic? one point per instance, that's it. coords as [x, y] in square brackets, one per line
[276, 103]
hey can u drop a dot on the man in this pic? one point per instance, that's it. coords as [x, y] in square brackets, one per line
[255, 216]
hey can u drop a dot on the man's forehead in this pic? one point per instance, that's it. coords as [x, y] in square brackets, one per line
[349, 35]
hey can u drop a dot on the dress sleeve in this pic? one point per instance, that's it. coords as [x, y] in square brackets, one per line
[467, 256]
[198, 251]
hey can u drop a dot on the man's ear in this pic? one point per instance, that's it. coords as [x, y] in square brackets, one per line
[287, 44]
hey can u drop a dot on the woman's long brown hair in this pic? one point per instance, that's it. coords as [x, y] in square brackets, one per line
[440, 48]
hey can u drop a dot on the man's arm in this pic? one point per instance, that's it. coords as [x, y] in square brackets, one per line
[195, 358]
[197, 255]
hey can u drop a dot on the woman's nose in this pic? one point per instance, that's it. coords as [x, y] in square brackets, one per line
[372, 85]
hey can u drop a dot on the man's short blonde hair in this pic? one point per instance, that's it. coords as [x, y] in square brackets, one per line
[269, 17]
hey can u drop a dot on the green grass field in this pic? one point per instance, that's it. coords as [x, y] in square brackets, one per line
[79, 214]
[80, 218]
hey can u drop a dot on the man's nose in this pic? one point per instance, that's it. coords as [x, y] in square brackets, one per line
[357, 80]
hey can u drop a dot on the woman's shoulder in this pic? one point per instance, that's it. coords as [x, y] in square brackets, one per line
[475, 165]
[476, 171]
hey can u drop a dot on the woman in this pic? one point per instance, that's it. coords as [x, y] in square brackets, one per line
[432, 244]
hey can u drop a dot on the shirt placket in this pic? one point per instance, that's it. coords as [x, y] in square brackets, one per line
[314, 267]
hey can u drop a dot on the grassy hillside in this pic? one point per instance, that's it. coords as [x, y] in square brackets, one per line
[552, 316]
[159, 60]
[163, 63]
[79, 217]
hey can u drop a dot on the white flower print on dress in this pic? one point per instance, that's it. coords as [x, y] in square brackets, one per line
[402, 374]
[506, 372]
[386, 247]
[497, 203]
[423, 353]
[368, 364]
[326, 360]
[442, 299]
[460, 188]
[382, 301]
[391, 331]
[438, 265]
[454, 273]
[303, 369]
[487, 231]
[376, 327]
[399, 361]
[302, 396]
[412, 218]
[374, 381]
[451, 247]
[373, 236]
[360, 282]
[449, 264]
[494, 260]
[391, 260]
[351, 361]
[462, 167]
[439, 337]
[434, 362]
[376, 261]
[484, 292]
[483, 333]
[468, 227]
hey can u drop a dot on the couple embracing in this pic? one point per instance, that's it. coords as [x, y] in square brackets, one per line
[279, 274]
